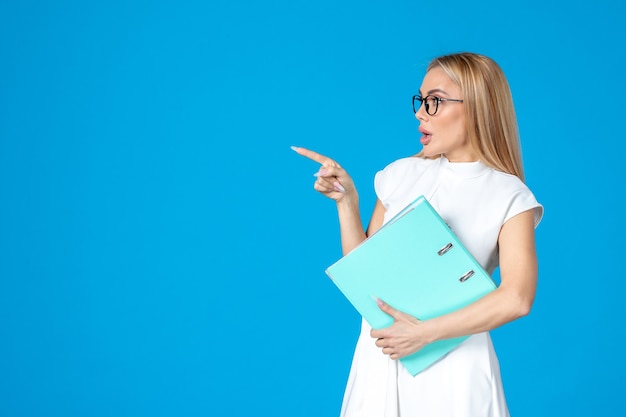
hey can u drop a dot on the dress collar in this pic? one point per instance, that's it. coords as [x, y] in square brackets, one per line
[464, 169]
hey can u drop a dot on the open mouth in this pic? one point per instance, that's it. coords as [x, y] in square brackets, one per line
[426, 136]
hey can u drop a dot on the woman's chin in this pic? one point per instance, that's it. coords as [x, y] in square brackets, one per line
[430, 152]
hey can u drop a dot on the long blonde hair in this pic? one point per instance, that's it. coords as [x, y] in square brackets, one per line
[491, 123]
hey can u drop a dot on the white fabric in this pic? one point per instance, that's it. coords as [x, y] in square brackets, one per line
[475, 201]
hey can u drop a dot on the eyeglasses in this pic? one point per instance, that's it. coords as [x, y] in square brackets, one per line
[431, 103]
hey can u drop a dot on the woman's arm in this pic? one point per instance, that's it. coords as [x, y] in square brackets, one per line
[350, 223]
[334, 182]
[511, 300]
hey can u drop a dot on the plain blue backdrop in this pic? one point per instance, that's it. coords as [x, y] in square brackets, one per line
[162, 251]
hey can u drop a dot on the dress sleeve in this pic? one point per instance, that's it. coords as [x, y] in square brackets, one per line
[388, 180]
[381, 185]
[523, 200]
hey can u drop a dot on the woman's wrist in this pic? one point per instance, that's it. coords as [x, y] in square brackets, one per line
[348, 201]
[428, 331]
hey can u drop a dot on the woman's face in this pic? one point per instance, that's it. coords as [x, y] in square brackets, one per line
[444, 132]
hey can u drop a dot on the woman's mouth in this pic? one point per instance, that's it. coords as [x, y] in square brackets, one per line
[426, 136]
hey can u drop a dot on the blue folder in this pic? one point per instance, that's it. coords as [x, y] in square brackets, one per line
[416, 264]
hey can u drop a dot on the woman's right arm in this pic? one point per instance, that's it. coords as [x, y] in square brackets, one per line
[350, 226]
[376, 221]
[334, 182]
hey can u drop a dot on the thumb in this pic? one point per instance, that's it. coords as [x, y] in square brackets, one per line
[386, 308]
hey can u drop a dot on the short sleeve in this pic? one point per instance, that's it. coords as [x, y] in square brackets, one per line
[521, 201]
[397, 180]
[382, 184]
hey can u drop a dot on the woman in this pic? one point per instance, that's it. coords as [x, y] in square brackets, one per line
[470, 170]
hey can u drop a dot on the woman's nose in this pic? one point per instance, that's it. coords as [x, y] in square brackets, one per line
[420, 114]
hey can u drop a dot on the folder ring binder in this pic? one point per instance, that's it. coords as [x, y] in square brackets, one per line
[444, 249]
[467, 276]
[402, 264]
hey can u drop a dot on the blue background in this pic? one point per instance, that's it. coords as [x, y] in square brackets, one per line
[162, 249]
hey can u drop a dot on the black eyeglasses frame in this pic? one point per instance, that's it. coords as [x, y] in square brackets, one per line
[423, 100]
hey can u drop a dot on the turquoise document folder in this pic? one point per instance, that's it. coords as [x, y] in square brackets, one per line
[416, 264]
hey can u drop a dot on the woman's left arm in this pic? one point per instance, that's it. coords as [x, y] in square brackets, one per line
[511, 300]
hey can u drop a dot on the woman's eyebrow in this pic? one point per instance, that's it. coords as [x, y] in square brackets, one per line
[437, 90]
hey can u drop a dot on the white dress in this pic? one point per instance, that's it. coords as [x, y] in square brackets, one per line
[475, 201]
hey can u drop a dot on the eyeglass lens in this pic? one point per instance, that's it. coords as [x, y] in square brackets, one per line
[430, 104]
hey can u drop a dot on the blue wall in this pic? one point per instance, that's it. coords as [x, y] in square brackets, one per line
[162, 249]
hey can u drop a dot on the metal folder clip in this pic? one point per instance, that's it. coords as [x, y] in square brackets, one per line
[467, 276]
[444, 249]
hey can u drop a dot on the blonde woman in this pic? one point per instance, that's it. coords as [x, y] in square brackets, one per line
[470, 170]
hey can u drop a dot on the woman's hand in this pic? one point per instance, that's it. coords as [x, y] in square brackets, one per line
[404, 337]
[332, 180]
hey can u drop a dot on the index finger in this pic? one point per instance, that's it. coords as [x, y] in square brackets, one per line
[314, 156]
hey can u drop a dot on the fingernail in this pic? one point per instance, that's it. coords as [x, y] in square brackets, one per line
[378, 300]
[339, 187]
[321, 172]
[294, 148]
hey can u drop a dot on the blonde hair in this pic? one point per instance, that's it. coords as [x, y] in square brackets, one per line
[491, 123]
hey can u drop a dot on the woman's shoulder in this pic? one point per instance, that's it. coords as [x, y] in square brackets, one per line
[507, 183]
[408, 164]
[400, 176]
[511, 191]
